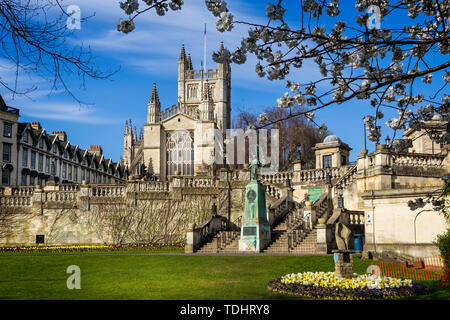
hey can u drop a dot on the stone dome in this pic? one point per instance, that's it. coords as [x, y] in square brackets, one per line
[437, 117]
[332, 138]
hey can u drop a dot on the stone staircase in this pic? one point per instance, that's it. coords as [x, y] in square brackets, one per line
[222, 242]
[280, 242]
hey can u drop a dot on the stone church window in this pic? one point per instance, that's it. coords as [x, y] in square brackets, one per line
[180, 153]
[192, 91]
[211, 90]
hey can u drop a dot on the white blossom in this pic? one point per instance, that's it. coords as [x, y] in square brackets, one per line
[125, 26]
[129, 6]
[225, 23]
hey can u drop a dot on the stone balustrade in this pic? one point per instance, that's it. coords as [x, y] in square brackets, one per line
[69, 187]
[60, 196]
[305, 176]
[278, 178]
[356, 217]
[153, 186]
[108, 191]
[175, 109]
[193, 182]
[22, 191]
[346, 179]
[15, 201]
[273, 191]
[418, 160]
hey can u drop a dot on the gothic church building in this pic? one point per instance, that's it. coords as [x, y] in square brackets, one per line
[180, 139]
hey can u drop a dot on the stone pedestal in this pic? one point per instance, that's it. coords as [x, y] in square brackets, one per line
[323, 238]
[343, 264]
[191, 239]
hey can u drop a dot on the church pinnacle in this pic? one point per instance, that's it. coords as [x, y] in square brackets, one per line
[182, 53]
[154, 98]
[154, 106]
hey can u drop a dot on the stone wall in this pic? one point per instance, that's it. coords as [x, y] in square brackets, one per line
[139, 211]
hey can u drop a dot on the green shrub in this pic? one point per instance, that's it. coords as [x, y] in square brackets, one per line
[443, 243]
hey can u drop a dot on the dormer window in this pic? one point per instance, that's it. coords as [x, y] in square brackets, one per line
[25, 137]
[41, 143]
[54, 148]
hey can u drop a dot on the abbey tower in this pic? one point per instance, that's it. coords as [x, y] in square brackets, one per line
[176, 140]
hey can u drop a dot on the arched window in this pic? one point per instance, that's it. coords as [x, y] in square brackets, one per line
[180, 153]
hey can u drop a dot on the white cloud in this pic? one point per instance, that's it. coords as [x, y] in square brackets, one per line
[66, 112]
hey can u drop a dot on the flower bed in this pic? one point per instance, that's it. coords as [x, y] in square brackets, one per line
[325, 285]
[84, 248]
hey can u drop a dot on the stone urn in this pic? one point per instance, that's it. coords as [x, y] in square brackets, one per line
[322, 220]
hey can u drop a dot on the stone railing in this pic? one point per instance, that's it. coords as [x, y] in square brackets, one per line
[355, 217]
[108, 191]
[145, 186]
[296, 217]
[175, 109]
[273, 191]
[194, 74]
[196, 237]
[418, 160]
[69, 187]
[279, 209]
[321, 206]
[22, 191]
[277, 178]
[314, 175]
[193, 182]
[60, 196]
[15, 201]
[346, 179]
[305, 176]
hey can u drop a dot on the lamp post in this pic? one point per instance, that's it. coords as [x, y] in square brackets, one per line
[214, 207]
[365, 133]
[340, 199]
[299, 151]
[328, 178]
[288, 182]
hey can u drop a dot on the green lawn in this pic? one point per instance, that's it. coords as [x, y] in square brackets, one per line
[171, 277]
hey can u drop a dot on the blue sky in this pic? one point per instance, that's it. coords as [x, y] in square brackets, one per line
[149, 54]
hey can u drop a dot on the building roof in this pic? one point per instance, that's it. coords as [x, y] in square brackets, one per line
[331, 138]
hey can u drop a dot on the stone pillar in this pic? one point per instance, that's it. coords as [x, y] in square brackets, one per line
[83, 196]
[37, 200]
[310, 211]
[50, 186]
[343, 264]
[191, 239]
[323, 238]
[297, 165]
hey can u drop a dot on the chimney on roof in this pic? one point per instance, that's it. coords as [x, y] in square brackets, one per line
[36, 125]
[96, 150]
[61, 135]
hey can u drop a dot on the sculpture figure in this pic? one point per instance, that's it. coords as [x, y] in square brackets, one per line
[342, 234]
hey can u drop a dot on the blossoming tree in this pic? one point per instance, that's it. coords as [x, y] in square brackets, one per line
[362, 59]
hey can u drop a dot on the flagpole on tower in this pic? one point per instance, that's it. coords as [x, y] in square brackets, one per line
[204, 49]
